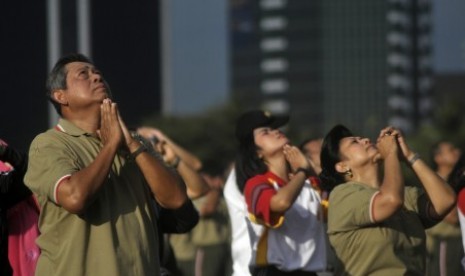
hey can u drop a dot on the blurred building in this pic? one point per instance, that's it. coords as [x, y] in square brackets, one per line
[276, 57]
[121, 37]
[410, 56]
[361, 63]
[449, 52]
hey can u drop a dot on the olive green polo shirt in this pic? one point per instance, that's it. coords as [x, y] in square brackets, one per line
[395, 246]
[214, 229]
[117, 234]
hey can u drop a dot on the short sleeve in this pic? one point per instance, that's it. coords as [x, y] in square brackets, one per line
[258, 193]
[50, 162]
[350, 207]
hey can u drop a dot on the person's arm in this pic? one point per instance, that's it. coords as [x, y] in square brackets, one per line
[196, 185]
[14, 157]
[12, 188]
[18, 161]
[185, 155]
[452, 217]
[76, 192]
[441, 194]
[286, 196]
[390, 197]
[168, 188]
[210, 204]
[180, 220]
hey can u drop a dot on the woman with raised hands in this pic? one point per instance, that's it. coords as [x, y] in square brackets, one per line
[376, 224]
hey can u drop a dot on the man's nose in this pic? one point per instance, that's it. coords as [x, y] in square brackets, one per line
[96, 77]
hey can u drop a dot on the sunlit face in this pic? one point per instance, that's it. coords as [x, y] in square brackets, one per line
[85, 84]
[358, 151]
[269, 140]
[447, 154]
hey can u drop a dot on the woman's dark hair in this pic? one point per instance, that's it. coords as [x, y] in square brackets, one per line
[57, 77]
[248, 164]
[434, 151]
[457, 178]
[330, 156]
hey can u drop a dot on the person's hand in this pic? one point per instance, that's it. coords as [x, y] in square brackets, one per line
[295, 157]
[150, 132]
[167, 152]
[131, 143]
[5, 167]
[405, 151]
[110, 129]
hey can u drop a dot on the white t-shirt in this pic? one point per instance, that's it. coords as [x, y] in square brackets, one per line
[237, 208]
[296, 241]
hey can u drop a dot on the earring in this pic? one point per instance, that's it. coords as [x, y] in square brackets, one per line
[349, 173]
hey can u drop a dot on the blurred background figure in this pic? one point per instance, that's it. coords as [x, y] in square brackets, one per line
[445, 249]
[212, 235]
[206, 251]
[241, 251]
[187, 165]
[19, 216]
[311, 148]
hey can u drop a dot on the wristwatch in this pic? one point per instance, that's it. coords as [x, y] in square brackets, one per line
[307, 172]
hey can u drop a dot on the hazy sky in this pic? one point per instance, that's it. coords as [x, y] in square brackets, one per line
[449, 36]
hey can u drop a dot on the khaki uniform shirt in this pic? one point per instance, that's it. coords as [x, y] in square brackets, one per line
[212, 230]
[116, 235]
[395, 246]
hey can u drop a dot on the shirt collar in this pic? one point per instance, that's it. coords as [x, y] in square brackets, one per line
[274, 177]
[69, 128]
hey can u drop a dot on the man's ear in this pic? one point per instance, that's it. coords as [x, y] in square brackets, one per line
[59, 96]
[341, 167]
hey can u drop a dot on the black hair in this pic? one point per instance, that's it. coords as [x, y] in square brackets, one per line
[248, 164]
[457, 177]
[434, 151]
[57, 77]
[330, 156]
[212, 167]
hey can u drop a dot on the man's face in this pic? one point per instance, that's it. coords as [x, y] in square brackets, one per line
[85, 85]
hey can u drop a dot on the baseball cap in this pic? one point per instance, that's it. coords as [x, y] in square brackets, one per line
[251, 120]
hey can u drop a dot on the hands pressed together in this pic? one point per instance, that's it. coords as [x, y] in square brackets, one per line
[113, 130]
[295, 157]
[391, 140]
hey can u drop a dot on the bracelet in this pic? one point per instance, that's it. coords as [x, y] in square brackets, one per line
[415, 157]
[307, 172]
[138, 151]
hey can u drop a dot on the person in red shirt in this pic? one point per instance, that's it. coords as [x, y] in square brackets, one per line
[285, 222]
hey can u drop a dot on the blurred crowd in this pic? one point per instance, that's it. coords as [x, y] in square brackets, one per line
[94, 197]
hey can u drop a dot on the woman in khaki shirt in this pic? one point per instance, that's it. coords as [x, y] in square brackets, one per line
[375, 223]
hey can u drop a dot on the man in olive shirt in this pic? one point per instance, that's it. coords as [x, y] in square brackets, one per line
[95, 183]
